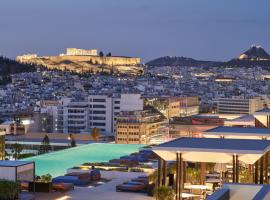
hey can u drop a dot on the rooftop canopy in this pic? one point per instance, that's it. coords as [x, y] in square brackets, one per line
[265, 111]
[238, 132]
[13, 163]
[213, 150]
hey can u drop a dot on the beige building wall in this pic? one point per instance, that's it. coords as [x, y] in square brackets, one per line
[138, 132]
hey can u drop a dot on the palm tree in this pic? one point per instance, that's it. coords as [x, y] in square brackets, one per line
[16, 150]
[72, 140]
[95, 133]
[45, 146]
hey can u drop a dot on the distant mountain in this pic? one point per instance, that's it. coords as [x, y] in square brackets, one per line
[9, 67]
[180, 61]
[254, 53]
[254, 56]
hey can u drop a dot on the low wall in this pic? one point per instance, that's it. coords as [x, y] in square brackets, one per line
[112, 174]
[83, 137]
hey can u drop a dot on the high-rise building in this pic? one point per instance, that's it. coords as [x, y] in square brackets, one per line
[240, 105]
[98, 111]
[141, 127]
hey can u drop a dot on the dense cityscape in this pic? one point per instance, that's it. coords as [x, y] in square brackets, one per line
[92, 124]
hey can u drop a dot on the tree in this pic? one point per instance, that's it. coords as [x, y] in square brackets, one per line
[46, 178]
[164, 193]
[101, 54]
[72, 140]
[95, 133]
[17, 120]
[109, 54]
[45, 146]
[16, 150]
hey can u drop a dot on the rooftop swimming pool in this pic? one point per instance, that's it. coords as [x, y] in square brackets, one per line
[56, 163]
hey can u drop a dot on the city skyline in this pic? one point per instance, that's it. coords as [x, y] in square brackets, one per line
[148, 29]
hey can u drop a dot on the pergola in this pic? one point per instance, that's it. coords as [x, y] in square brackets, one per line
[212, 150]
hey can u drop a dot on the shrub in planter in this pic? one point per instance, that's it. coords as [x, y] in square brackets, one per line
[9, 190]
[150, 189]
[43, 184]
[164, 193]
[40, 187]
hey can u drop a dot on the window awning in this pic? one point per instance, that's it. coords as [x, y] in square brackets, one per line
[213, 150]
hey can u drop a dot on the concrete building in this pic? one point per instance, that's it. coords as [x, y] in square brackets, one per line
[175, 106]
[13, 128]
[240, 105]
[98, 111]
[141, 127]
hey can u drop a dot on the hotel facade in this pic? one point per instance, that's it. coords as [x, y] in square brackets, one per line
[141, 127]
[98, 111]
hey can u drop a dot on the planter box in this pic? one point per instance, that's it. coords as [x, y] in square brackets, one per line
[150, 189]
[40, 187]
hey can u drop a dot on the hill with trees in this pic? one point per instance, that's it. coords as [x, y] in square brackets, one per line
[9, 67]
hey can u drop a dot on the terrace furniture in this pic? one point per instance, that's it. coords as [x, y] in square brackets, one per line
[131, 186]
[80, 175]
[193, 187]
[71, 179]
[93, 175]
[63, 187]
[210, 186]
[141, 180]
[189, 195]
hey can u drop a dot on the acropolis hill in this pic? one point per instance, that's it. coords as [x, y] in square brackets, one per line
[82, 61]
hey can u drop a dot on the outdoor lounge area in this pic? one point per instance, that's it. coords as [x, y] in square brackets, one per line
[248, 155]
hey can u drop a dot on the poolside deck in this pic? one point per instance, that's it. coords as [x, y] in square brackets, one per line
[102, 192]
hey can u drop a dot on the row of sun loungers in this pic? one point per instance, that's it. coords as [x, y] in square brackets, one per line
[78, 178]
[138, 184]
[135, 158]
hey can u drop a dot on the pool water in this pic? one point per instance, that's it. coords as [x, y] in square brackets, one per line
[56, 163]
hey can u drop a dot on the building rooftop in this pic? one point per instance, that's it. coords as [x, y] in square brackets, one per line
[214, 150]
[225, 145]
[15, 163]
[223, 130]
[265, 110]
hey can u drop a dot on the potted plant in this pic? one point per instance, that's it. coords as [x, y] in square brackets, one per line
[43, 184]
[164, 193]
[193, 175]
[152, 183]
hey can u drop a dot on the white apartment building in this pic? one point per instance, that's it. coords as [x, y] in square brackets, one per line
[240, 105]
[98, 111]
